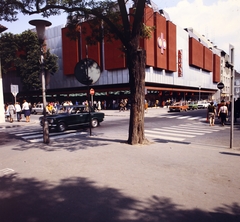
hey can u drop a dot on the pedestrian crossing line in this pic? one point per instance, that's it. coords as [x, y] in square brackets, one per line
[167, 133]
[165, 137]
[205, 129]
[183, 117]
[170, 117]
[193, 118]
[40, 134]
[187, 129]
[36, 140]
[177, 131]
[6, 171]
[29, 133]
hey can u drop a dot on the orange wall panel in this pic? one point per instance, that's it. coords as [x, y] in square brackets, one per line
[216, 68]
[69, 53]
[149, 44]
[94, 51]
[160, 41]
[171, 47]
[114, 57]
[195, 53]
[207, 59]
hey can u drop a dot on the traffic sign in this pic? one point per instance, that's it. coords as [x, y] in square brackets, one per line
[92, 91]
[220, 85]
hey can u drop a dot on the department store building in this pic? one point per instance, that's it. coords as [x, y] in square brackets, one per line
[180, 64]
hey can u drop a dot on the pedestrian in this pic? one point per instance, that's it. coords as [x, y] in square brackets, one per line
[146, 106]
[7, 114]
[11, 110]
[211, 113]
[26, 110]
[99, 106]
[18, 111]
[223, 113]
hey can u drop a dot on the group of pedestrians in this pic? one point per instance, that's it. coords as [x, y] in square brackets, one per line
[221, 111]
[16, 109]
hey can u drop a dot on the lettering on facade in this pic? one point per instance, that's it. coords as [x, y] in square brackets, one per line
[180, 70]
[162, 43]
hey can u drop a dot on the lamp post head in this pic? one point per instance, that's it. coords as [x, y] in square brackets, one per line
[40, 27]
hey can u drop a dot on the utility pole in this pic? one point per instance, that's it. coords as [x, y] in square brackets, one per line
[230, 64]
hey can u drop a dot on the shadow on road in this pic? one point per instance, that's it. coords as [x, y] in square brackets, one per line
[78, 199]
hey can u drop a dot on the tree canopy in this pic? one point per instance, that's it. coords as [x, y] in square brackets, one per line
[21, 53]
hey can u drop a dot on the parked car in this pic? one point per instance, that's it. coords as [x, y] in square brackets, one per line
[192, 105]
[178, 107]
[73, 116]
[38, 109]
[203, 104]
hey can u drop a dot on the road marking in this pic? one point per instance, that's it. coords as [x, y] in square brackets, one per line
[183, 117]
[36, 140]
[181, 132]
[6, 171]
[165, 137]
[177, 131]
[166, 133]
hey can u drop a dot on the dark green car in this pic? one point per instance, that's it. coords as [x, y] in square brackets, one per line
[192, 106]
[73, 116]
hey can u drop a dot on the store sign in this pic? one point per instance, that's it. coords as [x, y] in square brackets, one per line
[180, 70]
[162, 43]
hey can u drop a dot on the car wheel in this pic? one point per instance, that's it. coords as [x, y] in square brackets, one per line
[34, 112]
[95, 123]
[62, 126]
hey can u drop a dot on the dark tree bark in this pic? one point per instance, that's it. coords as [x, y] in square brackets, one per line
[136, 62]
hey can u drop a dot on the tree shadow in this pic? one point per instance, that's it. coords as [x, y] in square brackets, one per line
[81, 200]
[85, 142]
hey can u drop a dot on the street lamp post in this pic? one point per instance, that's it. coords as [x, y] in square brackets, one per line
[199, 93]
[40, 26]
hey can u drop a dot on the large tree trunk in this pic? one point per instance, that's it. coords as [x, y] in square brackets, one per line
[136, 64]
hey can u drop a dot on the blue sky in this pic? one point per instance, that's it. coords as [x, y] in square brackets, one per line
[218, 20]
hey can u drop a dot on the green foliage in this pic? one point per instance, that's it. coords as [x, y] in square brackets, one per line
[21, 53]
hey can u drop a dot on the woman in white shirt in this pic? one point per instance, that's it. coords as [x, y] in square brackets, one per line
[26, 110]
[18, 111]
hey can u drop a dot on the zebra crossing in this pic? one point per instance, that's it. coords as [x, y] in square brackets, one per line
[36, 136]
[181, 132]
[200, 118]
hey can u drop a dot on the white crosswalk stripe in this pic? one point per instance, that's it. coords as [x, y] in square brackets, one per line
[200, 118]
[181, 132]
[35, 136]
[6, 171]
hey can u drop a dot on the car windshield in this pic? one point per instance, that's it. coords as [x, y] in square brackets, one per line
[73, 109]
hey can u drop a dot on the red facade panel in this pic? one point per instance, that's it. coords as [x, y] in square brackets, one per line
[70, 53]
[207, 59]
[94, 51]
[160, 41]
[149, 44]
[195, 53]
[216, 68]
[114, 57]
[171, 47]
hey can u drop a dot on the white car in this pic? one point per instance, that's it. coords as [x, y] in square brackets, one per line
[38, 109]
[203, 104]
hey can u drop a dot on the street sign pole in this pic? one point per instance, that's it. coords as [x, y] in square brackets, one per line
[231, 54]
